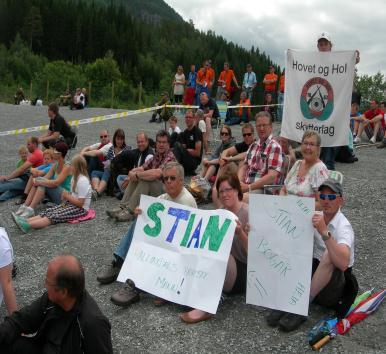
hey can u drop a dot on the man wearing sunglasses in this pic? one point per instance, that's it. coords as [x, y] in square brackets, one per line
[173, 181]
[333, 284]
[145, 179]
[96, 153]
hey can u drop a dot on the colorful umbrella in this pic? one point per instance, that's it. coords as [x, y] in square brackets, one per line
[363, 309]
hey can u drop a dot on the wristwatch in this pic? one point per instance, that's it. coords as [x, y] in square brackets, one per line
[326, 236]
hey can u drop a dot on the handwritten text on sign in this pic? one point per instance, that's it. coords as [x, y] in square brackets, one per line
[280, 252]
[180, 253]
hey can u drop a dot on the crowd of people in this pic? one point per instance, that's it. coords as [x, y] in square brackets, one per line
[66, 316]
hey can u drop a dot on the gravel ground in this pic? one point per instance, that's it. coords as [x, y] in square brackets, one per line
[237, 327]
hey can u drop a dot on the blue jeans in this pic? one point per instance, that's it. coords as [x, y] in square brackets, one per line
[280, 100]
[101, 175]
[120, 180]
[11, 188]
[327, 155]
[125, 242]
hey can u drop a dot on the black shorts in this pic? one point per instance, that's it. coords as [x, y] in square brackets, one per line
[240, 285]
[332, 293]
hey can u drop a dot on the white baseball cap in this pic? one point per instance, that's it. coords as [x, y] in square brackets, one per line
[324, 35]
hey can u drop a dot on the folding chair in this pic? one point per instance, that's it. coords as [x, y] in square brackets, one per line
[336, 175]
[274, 189]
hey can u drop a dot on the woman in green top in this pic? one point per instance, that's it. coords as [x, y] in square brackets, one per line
[61, 174]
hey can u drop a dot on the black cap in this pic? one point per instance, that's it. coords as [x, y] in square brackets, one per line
[333, 185]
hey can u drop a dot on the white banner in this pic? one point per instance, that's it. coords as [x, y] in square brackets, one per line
[318, 88]
[180, 253]
[280, 246]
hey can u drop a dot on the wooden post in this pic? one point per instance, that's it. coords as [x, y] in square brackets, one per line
[68, 85]
[89, 93]
[30, 91]
[47, 91]
[140, 93]
[112, 94]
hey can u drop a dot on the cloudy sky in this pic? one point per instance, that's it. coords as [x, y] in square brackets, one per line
[276, 25]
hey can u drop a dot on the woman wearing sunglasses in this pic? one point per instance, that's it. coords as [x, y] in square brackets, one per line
[308, 174]
[231, 197]
[211, 165]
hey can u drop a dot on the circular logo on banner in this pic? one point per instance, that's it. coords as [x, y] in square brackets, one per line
[317, 99]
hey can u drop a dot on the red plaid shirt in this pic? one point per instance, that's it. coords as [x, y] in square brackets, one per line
[262, 157]
[159, 160]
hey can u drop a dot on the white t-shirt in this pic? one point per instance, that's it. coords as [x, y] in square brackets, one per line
[202, 126]
[6, 254]
[184, 198]
[342, 231]
[176, 130]
[82, 190]
[105, 149]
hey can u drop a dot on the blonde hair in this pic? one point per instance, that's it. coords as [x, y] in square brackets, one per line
[79, 166]
[22, 149]
[49, 152]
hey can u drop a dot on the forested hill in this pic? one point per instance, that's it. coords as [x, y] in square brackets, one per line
[81, 31]
[149, 10]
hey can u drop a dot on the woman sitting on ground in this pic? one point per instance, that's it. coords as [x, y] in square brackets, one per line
[6, 260]
[75, 204]
[99, 179]
[211, 165]
[51, 185]
[231, 196]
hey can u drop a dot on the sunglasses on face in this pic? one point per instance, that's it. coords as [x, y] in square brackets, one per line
[330, 197]
[103, 136]
[224, 133]
[167, 178]
[247, 134]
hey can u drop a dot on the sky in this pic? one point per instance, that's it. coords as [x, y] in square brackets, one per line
[276, 25]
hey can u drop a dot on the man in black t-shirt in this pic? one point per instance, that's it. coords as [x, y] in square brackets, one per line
[58, 129]
[188, 150]
[209, 107]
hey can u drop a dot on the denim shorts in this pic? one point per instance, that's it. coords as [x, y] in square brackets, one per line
[53, 194]
[102, 175]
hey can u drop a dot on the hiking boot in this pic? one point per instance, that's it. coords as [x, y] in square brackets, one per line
[110, 274]
[382, 145]
[124, 215]
[291, 321]
[126, 295]
[274, 317]
[112, 213]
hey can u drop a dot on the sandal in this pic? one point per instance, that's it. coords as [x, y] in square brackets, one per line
[185, 317]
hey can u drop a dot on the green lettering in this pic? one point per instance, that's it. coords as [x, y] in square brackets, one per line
[152, 213]
[214, 234]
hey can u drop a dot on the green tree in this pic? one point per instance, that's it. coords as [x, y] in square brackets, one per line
[33, 29]
[371, 87]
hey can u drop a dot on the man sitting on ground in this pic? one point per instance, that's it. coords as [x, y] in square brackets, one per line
[188, 150]
[372, 122]
[145, 179]
[58, 129]
[164, 113]
[173, 179]
[96, 153]
[333, 285]
[211, 112]
[242, 114]
[264, 159]
[65, 319]
[78, 101]
[17, 179]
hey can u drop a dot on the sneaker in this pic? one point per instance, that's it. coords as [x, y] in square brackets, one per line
[290, 321]
[274, 317]
[126, 295]
[382, 145]
[357, 140]
[373, 140]
[94, 195]
[124, 215]
[20, 210]
[22, 224]
[112, 213]
[28, 212]
[110, 274]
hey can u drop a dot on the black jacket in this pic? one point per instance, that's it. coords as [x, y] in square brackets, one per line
[84, 329]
